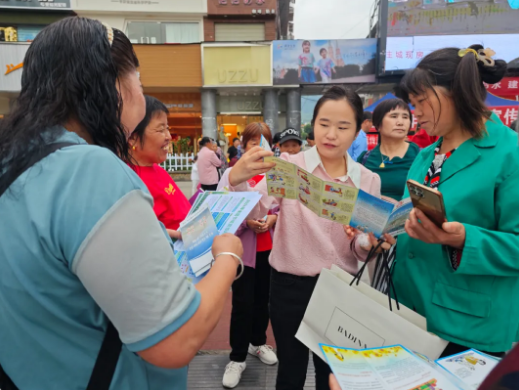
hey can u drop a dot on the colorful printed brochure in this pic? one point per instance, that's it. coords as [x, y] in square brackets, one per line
[340, 203]
[470, 367]
[264, 144]
[226, 211]
[389, 368]
[198, 233]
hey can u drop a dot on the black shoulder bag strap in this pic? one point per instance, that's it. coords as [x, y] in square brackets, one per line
[108, 356]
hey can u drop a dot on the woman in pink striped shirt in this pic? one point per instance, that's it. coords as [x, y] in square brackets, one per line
[303, 242]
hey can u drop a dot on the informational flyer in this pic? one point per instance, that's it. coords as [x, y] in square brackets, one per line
[336, 202]
[389, 368]
[471, 367]
[212, 214]
[198, 233]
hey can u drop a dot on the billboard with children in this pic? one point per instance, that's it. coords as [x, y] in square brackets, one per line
[324, 61]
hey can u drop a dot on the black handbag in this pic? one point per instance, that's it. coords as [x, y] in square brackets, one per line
[108, 355]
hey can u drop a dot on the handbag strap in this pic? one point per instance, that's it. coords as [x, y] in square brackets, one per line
[366, 156]
[108, 355]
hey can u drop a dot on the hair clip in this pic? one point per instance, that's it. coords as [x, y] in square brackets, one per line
[109, 33]
[485, 56]
[463, 52]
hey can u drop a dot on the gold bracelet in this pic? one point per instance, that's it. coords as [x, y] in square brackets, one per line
[236, 257]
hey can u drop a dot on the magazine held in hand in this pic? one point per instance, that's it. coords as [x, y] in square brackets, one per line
[337, 202]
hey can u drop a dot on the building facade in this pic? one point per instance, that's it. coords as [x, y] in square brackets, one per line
[20, 22]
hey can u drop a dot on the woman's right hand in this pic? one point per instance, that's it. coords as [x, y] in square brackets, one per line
[228, 243]
[249, 165]
[334, 384]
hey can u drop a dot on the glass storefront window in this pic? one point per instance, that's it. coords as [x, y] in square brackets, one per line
[163, 32]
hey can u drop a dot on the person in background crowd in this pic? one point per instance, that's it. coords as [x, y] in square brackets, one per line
[394, 155]
[310, 140]
[301, 237]
[208, 164]
[195, 178]
[148, 148]
[275, 141]
[463, 276]
[422, 139]
[222, 157]
[81, 247]
[290, 141]
[513, 125]
[250, 294]
[233, 157]
[360, 145]
[234, 148]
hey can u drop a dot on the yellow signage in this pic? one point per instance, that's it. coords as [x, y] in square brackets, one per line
[237, 65]
[12, 68]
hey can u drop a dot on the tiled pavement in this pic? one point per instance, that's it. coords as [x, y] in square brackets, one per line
[206, 372]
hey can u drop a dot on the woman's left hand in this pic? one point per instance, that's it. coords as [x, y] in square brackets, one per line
[373, 241]
[419, 227]
[334, 384]
[271, 221]
[175, 234]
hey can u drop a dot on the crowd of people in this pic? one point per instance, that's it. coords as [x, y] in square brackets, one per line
[88, 276]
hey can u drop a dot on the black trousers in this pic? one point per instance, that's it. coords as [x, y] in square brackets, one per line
[454, 349]
[250, 308]
[211, 187]
[289, 297]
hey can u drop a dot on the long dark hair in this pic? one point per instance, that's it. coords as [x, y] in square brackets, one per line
[70, 72]
[340, 93]
[462, 77]
[387, 106]
[153, 106]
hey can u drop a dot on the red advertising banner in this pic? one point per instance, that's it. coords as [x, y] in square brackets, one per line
[509, 86]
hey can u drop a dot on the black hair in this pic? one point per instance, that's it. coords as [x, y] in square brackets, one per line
[368, 116]
[341, 93]
[387, 106]
[513, 125]
[204, 141]
[311, 136]
[462, 77]
[321, 51]
[232, 153]
[234, 140]
[70, 72]
[153, 106]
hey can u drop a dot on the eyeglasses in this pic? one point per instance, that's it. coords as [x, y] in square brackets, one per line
[164, 130]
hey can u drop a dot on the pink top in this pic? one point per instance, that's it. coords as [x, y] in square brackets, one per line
[304, 243]
[208, 162]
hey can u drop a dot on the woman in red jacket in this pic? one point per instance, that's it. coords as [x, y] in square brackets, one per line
[149, 147]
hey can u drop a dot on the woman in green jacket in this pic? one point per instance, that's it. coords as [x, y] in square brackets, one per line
[392, 158]
[464, 276]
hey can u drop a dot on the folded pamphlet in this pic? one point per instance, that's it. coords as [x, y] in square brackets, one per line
[336, 202]
[397, 368]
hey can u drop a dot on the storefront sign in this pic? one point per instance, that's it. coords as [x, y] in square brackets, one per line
[175, 6]
[11, 76]
[180, 102]
[236, 65]
[237, 104]
[238, 7]
[41, 4]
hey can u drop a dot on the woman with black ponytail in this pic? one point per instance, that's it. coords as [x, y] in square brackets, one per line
[464, 276]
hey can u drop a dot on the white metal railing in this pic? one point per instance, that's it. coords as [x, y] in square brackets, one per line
[178, 162]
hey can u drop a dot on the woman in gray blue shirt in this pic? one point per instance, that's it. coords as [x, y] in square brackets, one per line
[80, 245]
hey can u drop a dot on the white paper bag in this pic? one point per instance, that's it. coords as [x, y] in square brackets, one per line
[359, 317]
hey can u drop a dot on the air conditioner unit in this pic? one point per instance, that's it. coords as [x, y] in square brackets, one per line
[259, 11]
[253, 11]
[267, 11]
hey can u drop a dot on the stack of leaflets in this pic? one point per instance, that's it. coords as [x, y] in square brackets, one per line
[212, 214]
[340, 203]
[397, 368]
